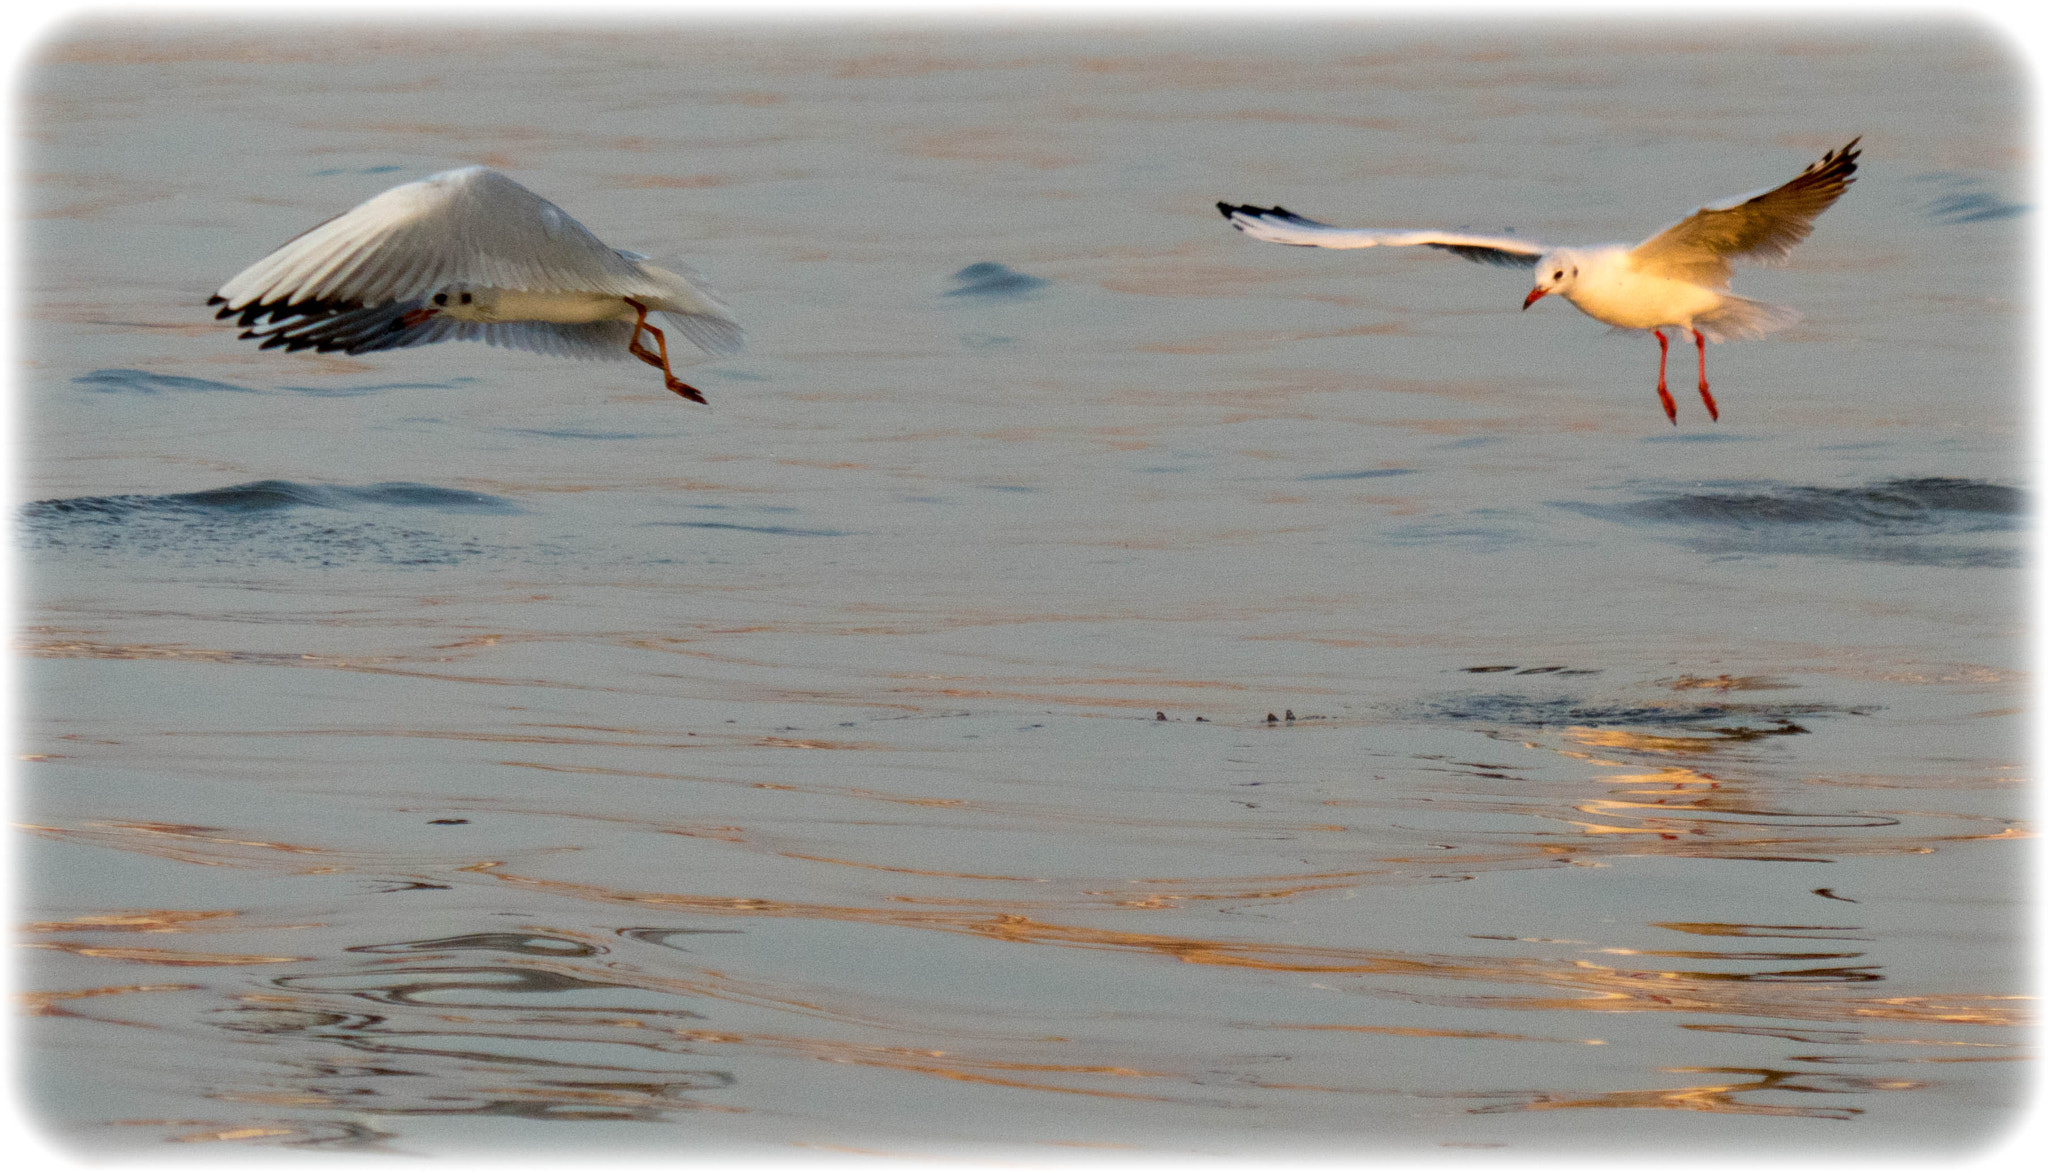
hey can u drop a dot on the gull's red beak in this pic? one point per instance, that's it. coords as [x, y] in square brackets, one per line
[1535, 293]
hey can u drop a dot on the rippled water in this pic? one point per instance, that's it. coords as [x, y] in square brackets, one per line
[1088, 679]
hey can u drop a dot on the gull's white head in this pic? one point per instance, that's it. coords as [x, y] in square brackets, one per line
[1556, 272]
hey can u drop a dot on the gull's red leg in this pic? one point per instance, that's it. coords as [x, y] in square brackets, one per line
[1706, 396]
[411, 318]
[1664, 393]
[660, 361]
[651, 359]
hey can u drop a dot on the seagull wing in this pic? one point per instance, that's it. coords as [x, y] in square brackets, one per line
[471, 226]
[1763, 226]
[327, 328]
[1280, 226]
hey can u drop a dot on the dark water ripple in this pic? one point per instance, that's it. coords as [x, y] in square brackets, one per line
[1359, 475]
[1536, 712]
[134, 382]
[1967, 200]
[129, 381]
[991, 279]
[267, 496]
[1902, 521]
[264, 521]
[784, 531]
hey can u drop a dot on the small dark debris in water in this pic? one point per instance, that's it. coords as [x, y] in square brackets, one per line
[1830, 894]
[1271, 719]
[1540, 671]
[1492, 668]
[993, 279]
[446, 822]
[1737, 733]
[1290, 714]
[1201, 718]
[1548, 670]
[1161, 716]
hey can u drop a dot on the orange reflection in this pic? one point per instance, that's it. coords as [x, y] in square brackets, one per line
[1725, 1096]
[161, 956]
[50, 1003]
[155, 920]
[942, 1064]
[1600, 987]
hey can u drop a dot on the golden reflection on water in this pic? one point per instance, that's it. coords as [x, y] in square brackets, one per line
[1723, 1096]
[1795, 994]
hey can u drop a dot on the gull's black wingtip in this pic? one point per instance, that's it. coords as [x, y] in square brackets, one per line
[1841, 161]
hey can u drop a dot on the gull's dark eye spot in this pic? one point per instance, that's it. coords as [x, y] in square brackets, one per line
[440, 299]
[465, 299]
[1557, 276]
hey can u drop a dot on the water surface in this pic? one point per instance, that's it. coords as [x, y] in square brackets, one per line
[1088, 679]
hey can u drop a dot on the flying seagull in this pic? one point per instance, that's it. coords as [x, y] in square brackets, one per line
[1677, 279]
[470, 254]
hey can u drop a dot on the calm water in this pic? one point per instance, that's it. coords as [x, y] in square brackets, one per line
[1089, 679]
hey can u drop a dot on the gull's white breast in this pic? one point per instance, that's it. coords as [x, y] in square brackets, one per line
[1613, 289]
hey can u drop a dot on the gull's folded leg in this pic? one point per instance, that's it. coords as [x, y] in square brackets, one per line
[651, 359]
[1706, 397]
[1664, 393]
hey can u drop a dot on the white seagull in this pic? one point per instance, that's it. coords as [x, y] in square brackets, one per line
[1677, 279]
[470, 254]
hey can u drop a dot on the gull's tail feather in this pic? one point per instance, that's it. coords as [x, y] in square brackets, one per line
[1738, 319]
[714, 335]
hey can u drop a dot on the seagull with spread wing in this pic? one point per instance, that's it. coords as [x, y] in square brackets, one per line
[470, 254]
[1677, 279]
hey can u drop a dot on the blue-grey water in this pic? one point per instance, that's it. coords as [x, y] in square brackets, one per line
[1089, 680]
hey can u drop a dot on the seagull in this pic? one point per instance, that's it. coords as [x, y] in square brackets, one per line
[1676, 280]
[470, 254]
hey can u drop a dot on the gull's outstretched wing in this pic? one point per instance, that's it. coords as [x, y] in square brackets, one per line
[1763, 226]
[1280, 226]
[470, 226]
[329, 327]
